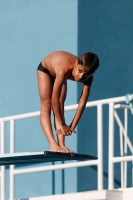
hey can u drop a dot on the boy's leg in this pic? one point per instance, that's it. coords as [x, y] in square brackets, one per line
[61, 138]
[45, 92]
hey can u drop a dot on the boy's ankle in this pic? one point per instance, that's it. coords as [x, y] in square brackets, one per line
[52, 144]
[61, 144]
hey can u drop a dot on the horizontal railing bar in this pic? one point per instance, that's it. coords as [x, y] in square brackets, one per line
[95, 103]
[67, 108]
[106, 101]
[21, 116]
[122, 159]
[121, 106]
[56, 167]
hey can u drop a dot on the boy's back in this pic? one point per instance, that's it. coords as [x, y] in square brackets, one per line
[58, 61]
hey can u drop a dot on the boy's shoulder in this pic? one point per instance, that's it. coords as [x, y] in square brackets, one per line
[88, 82]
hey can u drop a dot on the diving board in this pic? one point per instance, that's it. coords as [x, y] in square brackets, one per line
[46, 156]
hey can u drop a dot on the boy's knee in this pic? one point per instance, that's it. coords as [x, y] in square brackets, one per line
[46, 105]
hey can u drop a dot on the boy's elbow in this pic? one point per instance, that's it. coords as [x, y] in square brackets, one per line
[82, 103]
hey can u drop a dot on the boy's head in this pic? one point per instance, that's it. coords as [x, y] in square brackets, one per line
[90, 61]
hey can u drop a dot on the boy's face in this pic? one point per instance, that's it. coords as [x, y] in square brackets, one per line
[79, 72]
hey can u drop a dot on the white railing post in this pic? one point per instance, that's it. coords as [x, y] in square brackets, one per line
[125, 148]
[11, 166]
[121, 153]
[111, 146]
[100, 145]
[2, 151]
[123, 131]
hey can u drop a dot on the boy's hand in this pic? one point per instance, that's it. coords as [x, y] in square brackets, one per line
[65, 130]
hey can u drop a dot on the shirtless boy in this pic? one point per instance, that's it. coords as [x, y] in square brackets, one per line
[53, 73]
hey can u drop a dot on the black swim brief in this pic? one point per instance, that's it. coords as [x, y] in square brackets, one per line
[43, 69]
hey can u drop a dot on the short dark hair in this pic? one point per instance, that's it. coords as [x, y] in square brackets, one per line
[90, 61]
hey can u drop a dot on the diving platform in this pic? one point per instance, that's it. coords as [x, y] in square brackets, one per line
[37, 157]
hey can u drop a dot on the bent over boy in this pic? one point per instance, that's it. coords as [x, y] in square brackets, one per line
[53, 73]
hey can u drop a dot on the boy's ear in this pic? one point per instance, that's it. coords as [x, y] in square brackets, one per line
[76, 62]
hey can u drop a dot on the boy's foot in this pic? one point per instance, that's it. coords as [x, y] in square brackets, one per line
[57, 148]
[66, 149]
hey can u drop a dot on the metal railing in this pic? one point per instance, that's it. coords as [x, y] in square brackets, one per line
[99, 104]
[123, 159]
[2, 168]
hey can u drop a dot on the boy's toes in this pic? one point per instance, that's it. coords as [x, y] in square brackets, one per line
[61, 150]
[72, 152]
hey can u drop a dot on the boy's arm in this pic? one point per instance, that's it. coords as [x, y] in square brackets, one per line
[60, 79]
[82, 102]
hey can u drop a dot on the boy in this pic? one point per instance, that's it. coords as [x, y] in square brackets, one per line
[53, 73]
